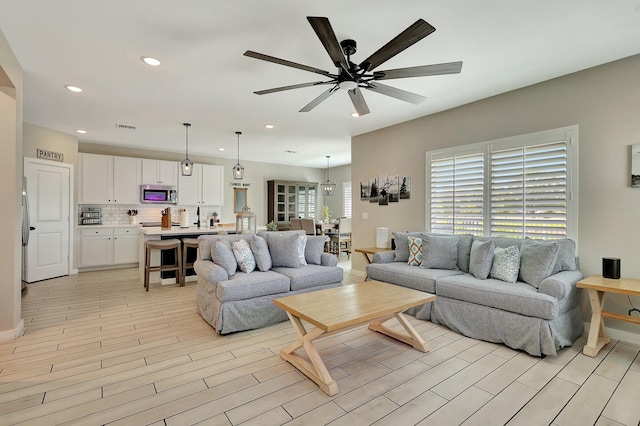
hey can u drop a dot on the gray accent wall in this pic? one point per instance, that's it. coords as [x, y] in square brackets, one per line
[603, 101]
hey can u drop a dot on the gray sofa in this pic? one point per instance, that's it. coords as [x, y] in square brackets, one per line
[538, 317]
[231, 300]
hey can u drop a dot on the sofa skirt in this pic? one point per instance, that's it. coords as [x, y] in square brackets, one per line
[247, 314]
[536, 336]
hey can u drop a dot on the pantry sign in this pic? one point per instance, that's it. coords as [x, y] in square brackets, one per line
[50, 155]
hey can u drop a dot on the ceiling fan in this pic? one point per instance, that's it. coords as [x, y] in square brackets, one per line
[352, 77]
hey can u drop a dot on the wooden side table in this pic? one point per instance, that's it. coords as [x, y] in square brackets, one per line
[597, 286]
[370, 251]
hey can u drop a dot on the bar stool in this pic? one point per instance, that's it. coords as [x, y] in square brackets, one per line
[187, 244]
[169, 244]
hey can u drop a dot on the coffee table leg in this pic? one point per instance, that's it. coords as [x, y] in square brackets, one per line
[315, 370]
[414, 339]
[597, 334]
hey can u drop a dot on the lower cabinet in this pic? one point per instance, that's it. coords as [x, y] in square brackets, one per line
[108, 246]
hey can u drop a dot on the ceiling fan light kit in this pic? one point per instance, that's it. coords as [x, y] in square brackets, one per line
[352, 77]
[186, 166]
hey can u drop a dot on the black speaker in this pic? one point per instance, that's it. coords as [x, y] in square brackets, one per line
[611, 267]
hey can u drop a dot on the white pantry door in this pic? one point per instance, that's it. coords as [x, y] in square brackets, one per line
[48, 191]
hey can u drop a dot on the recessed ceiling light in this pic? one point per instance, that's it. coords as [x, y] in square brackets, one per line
[220, 149]
[269, 126]
[73, 88]
[150, 61]
[355, 114]
[81, 131]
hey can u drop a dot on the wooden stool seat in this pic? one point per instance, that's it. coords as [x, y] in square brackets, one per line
[169, 244]
[187, 244]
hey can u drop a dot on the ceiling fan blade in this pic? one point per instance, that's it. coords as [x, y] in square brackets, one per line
[325, 33]
[416, 32]
[394, 92]
[284, 62]
[293, 86]
[314, 103]
[421, 71]
[358, 102]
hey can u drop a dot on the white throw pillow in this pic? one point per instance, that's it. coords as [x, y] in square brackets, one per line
[244, 256]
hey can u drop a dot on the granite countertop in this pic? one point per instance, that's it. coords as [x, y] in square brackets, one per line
[124, 225]
[176, 230]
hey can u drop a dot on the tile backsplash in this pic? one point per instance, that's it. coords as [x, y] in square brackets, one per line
[117, 214]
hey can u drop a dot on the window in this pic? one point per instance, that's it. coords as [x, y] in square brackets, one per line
[346, 199]
[524, 186]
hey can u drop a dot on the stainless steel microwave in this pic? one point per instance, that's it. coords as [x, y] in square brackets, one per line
[158, 194]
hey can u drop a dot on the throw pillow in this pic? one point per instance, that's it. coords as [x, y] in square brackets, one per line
[402, 245]
[481, 259]
[566, 256]
[506, 264]
[284, 249]
[261, 253]
[415, 251]
[243, 255]
[302, 244]
[314, 249]
[537, 260]
[439, 252]
[222, 255]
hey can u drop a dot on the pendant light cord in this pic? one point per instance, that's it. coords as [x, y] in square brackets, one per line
[187, 125]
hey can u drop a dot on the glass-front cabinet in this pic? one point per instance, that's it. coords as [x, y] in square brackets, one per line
[289, 200]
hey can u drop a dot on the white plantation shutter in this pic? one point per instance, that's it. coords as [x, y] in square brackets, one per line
[346, 199]
[516, 187]
[457, 190]
[529, 192]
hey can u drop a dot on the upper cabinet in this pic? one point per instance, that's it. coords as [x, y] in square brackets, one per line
[158, 172]
[203, 187]
[105, 179]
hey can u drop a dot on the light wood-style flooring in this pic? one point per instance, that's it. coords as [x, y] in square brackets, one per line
[98, 349]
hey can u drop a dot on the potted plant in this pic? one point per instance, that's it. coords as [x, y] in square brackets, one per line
[272, 226]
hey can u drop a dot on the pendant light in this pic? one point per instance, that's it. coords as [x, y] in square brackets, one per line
[328, 187]
[186, 167]
[238, 170]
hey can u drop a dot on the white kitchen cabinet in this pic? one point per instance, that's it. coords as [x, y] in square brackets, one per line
[96, 173]
[96, 247]
[127, 177]
[125, 245]
[203, 187]
[105, 179]
[108, 246]
[158, 172]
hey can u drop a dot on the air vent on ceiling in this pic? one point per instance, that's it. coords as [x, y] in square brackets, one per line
[125, 126]
[288, 151]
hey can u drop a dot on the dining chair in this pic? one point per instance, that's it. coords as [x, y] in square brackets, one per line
[296, 224]
[309, 226]
[341, 240]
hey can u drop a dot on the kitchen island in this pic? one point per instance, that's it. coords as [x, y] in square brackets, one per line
[158, 233]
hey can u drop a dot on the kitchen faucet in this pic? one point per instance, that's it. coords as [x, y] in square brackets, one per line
[198, 214]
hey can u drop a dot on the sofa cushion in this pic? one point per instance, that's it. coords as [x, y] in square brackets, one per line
[243, 255]
[519, 297]
[439, 252]
[408, 276]
[222, 255]
[284, 249]
[537, 260]
[261, 253]
[314, 249]
[248, 286]
[481, 259]
[506, 264]
[415, 251]
[566, 256]
[310, 276]
[402, 245]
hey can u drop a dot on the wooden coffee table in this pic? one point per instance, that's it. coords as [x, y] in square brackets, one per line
[345, 307]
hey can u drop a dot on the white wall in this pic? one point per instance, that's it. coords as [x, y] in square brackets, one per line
[10, 192]
[37, 137]
[603, 101]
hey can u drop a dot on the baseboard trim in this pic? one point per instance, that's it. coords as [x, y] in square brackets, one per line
[617, 334]
[12, 334]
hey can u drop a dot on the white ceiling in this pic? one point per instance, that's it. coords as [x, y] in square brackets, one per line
[204, 78]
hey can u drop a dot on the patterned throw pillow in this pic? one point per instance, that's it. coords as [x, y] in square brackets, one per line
[506, 264]
[302, 244]
[415, 251]
[244, 256]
